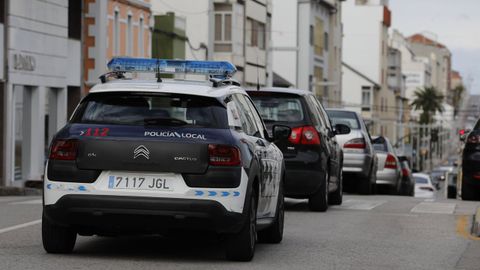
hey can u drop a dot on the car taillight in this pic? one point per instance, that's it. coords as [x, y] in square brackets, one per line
[358, 143]
[405, 172]
[427, 188]
[474, 139]
[223, 155]
[64, 150]
[304, 135]
[390, 162]
[476, 175]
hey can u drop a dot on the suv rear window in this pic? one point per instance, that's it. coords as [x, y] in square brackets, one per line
[279, 108]
[151, 110]
[346, 118]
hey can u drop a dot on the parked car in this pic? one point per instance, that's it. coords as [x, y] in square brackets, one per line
[407, 186]
[470, 181]
[388, 170]
[359, 158]
[423, 186]
[313, 158]
[437, 176]
[145, 157]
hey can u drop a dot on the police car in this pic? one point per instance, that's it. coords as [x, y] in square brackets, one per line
[149, 156]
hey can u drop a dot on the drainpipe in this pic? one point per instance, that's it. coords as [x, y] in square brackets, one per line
[4, 136]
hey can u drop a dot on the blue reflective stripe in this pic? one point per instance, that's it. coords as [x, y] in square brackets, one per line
[236, 194]
[111, 181]
[198, 193]
[212, 193]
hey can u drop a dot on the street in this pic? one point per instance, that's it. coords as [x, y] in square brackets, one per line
[365, 232]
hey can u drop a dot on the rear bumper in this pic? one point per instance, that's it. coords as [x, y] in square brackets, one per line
[356, 163]
[387, 177]
[302, 183]
[119, 214]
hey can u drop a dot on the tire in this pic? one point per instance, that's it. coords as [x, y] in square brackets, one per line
[451, 193]
[318, 202]
[57, 239]
[336, 197]
[467, 193]
[241, 246]
[274, 233]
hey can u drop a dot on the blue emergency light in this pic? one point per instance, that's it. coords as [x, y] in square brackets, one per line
[219, 69]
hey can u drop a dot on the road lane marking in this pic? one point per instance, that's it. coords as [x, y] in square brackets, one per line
[38, 201]
[359, 204]
[463, 228]
[434, 208]
[19, 226]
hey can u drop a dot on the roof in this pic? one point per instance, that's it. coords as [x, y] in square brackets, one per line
[361, 75]
[282, 90]
[455, 74]
[279, 81]
[199, 88]
[419, 38]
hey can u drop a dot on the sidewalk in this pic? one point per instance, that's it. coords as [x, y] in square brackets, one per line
[20, 191]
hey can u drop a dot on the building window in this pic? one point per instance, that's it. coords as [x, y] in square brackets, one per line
[255, 34]
[116, 33]
[325, 38]
[223, 28]
[140, 37]
[319, 37]
[129, 35]
[2, 8]
[312, 41]
[74, 19]
[366, 102]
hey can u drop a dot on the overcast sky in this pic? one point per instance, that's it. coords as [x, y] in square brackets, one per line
[455, 23]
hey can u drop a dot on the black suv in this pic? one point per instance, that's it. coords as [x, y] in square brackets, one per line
[313, 159]
[470, 181]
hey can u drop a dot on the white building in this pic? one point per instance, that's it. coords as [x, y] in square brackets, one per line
[44, 60]
[307, 46]
[365, 49]
[235, 31]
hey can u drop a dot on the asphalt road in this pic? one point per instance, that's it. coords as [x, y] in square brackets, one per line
[366, 232]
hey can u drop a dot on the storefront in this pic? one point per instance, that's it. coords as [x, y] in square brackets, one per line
[43, 75]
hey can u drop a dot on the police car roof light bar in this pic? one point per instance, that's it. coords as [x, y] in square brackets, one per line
[217, 69]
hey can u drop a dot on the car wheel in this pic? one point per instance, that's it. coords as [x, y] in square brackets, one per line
[365, 185]
[336, 197]
[451, 192]
[241, 246]
[318, 202]
[57, 239]
[468, 194]
[274, 233]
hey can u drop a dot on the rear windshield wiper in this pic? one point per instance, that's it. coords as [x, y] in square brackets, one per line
[164, 121]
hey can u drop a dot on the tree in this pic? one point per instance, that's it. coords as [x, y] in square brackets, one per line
[429, 101]
[457, 98]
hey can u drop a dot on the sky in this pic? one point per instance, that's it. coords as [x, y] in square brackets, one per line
[455, 23]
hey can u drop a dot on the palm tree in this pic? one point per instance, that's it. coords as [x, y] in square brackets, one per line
[429, 101]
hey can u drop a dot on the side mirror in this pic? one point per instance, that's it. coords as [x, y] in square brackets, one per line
[341, 129]
[281, 133]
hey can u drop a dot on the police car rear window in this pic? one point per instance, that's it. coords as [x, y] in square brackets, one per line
[151, 110]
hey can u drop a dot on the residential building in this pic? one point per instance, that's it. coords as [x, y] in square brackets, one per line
[235, 31]
[365, 49]
[456, 79]
[440, 58]
[307, 46]
[114, 28]
[40, 80]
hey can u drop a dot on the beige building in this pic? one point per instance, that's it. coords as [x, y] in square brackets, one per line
[114, 28]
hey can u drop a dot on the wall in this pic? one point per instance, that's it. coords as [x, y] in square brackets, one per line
[1, 53]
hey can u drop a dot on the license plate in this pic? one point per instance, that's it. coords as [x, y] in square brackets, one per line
[161, 183]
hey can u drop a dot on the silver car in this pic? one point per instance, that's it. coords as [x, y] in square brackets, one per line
[359, 159]
[389, 170]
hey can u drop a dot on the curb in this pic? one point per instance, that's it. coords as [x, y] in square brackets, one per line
[476, 223]
[19, 191]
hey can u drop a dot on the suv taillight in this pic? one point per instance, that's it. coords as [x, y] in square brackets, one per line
[405, 172]
[223, 155]
[304, 135]
[358, 143]
[390, 162]
[64, 150]
[474, 139]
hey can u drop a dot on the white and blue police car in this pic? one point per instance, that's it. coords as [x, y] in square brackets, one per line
[148, 156]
